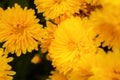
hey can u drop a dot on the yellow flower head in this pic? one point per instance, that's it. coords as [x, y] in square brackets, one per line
[19, 30]
[56, 75]
[107, 67]
[5, 68]
[48, 36]
[113, 69]
[54, 8]
[71, 41]
[106, 23]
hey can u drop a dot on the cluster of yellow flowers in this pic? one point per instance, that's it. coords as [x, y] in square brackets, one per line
[81, 37]
[85, 43]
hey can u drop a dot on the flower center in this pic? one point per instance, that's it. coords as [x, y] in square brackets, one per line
[18, 29]
[71, 45]
[81, 47]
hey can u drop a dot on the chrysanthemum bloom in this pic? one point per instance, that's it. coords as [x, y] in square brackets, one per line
[72, 40]
[53, 8]
[5, 68]
[48, 36]
[56, 75]
[106, 23]
[107, 67]
[19, 30]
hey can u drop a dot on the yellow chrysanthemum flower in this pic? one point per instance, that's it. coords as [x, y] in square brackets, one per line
[5, 68]
[19, 30]
[107, 67]
[106, 23]
[72, 40]
[48, 36]
[56, 75]
[53, 8]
